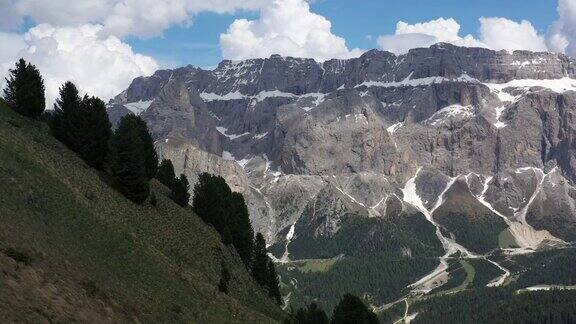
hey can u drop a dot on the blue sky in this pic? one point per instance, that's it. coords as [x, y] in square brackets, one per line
[354, 20]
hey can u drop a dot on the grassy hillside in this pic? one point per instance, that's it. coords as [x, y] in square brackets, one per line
[73, 249]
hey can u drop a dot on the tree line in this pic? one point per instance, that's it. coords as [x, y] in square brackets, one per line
[227, 212]
[126, 155]
[128, 158]
[498, 305]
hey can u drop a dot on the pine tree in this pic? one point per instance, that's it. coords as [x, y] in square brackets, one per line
[260, 261]
[180, 191]
[127, 164]
[150, 155]
[82, 125]
[312, 314]
[352, 310]
[212, 203]
[317, 314]
[93, 130]
[241, 229]
[25, 91]
[65, 113]
[273, 283]
[166, 174]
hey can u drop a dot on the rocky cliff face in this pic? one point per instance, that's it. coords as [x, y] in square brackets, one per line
[479, 142]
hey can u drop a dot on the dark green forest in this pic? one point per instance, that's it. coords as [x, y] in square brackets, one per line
[498, 305]
[382, 278]
[394, 237]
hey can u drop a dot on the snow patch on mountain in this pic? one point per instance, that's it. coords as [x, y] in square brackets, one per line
[225, 97]
[409, 82]
[138, 107]
[445, 114]
[499, 112]
[556, 85]
[392, 129]
[289, 236]
[224, 131]
[317, 97]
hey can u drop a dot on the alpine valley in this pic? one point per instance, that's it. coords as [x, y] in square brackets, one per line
[403, 179]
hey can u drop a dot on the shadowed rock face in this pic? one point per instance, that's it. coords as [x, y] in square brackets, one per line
[347, 135]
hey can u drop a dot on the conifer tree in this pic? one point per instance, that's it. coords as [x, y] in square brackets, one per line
[260, 261]
[65, 113]
[317, 314]
[180, 190]
[127, 164]
[273, 283]
[352, 310]
[82, 125]
[166, 174]
[93, 130]
[212, 203]
[241, 229]
[150, 155]
[312, 314]
[25, 91]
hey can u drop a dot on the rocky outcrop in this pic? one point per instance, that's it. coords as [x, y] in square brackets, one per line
[347, 135]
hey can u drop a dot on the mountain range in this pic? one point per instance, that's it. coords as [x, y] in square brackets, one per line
[444, 154]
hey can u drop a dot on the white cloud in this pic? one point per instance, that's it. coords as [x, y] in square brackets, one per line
[504, 34]
[101, 66]
[424, 34]
[144, 18]
[150, 17]
[445, 30]
[10, 47]
[285, 27]
[81, 40]
[56, 12]
[495, 33]
[562, 34]
[402, 43]
[9, 15]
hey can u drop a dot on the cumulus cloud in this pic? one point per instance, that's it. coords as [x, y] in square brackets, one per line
[150, 17]
[501, 33]
[81, 40]
[144, 18]
[402, 43]
[562, 34]
[101, 66]
[445, 30]
[495, 33]
[10, 47]
[56, 12]
[285, 27]
[424, 34]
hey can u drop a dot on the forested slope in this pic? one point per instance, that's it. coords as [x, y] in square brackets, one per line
[73, 249]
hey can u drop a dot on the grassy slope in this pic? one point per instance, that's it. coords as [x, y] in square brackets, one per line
[97, 257]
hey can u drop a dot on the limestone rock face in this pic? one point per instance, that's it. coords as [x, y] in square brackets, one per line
[191, 161]
[443, 129]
